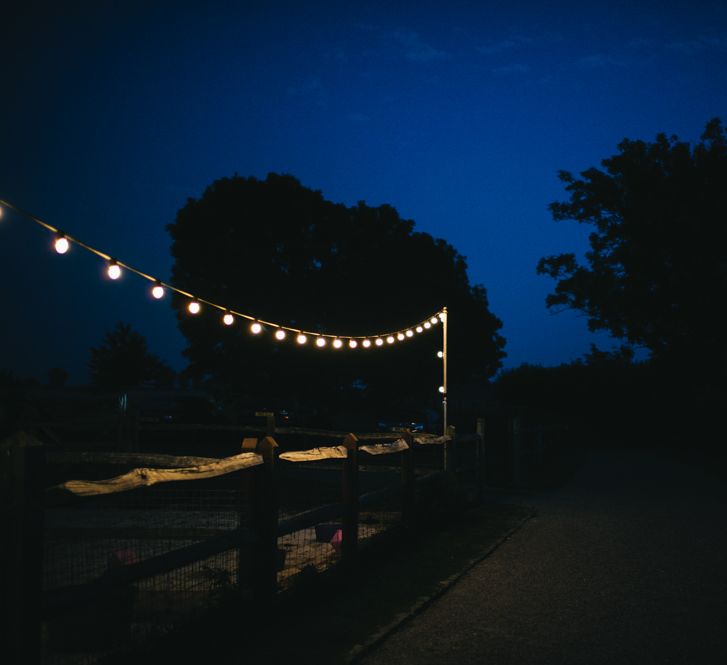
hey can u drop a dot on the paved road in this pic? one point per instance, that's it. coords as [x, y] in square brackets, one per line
[626, 564]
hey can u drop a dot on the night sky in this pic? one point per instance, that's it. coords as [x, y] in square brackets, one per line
[457, 114]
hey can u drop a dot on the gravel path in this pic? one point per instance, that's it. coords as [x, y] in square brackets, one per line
[626, 564]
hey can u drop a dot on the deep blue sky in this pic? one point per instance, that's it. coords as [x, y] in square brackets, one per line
[457, 114]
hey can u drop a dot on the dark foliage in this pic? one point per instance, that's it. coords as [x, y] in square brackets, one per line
[610, 398]
[279, 251]
[123, 361]
[656, 273]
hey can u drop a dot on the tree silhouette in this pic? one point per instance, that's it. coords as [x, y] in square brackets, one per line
[279, 251]
[123, 361]
[656, 273]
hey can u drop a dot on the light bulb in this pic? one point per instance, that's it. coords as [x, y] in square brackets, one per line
[427, 325]
[366, 343]
[61, 245]
[400, 337]
[280, 334]
[434, 320]
[440, 354]
[352, 343]
[442, 316]
[337, 343]
[301, 339]
[409, 333]
[321, 342]
[441, 389]
[379, 341]
[390, 339]
[114, 270]
[157, 291]
[228, 319]
[256, 328]
[419, 329]
[194, 307]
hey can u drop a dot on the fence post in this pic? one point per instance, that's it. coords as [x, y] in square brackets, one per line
[24, 459]
[515, 452]
[408, 483]
[350, 491]
[450, 453]
[264, 520]
[480, 468]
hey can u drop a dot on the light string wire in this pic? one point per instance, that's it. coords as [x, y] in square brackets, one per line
[398, 335]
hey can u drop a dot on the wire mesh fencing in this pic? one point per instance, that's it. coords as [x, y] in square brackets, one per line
[121, 567]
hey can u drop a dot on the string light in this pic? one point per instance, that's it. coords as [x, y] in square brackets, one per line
[61, 244]
[441, 389]
[440, 354]
[114, 270]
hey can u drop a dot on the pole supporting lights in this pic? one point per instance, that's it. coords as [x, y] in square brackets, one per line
[443, 317]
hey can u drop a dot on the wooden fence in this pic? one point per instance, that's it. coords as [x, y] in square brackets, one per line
[256, 541]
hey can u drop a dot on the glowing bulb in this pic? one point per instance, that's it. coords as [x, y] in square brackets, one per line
[114, 270]
[400, 337]
[409, 333]
[228, 319]
[352, 343]
[441, 389]
[321, 342]
[427, 325]
[61, 245]
[442, 316]
[194, 307]
[256, 328]
[434, 320]
[379, 341]
[419, 329]
[366, 343]
[337, 343]
[301, 339]
[390, 339]
[280, 334]
[440, 354]
[157, 291]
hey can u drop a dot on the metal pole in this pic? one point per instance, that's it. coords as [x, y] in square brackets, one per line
[444, 370]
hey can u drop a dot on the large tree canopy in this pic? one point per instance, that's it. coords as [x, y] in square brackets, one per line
[656, 272]
[276, 250]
